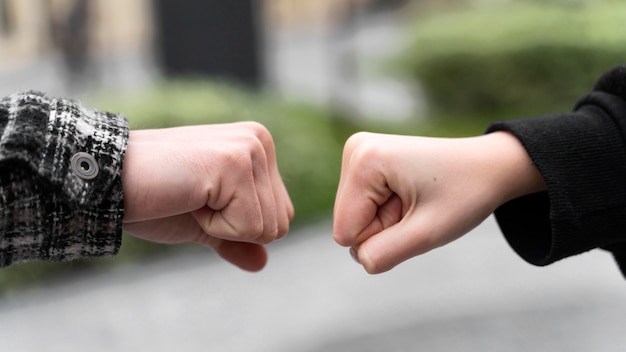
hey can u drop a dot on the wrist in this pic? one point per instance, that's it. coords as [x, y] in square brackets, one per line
[514, 173]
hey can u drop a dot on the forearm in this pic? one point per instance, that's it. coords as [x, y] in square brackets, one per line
[61, 195]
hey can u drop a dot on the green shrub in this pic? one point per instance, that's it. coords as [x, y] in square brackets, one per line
[520, 58]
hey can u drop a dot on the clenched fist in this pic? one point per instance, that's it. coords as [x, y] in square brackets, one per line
[216, 185]
[401, 196]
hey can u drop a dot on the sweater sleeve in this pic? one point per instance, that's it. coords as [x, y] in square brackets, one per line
[61, 195]
[582, 157]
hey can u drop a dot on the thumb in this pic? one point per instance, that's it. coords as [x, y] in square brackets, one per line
[247, 256]
[395, 244]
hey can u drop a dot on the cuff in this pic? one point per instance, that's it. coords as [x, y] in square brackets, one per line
[61, 174]
[582, 157]
[92, 141]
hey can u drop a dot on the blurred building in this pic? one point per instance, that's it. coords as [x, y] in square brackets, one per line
[307, 13]
[307, 49]
[31, 28]
[212, 38]
[50, 44]
[331, 52]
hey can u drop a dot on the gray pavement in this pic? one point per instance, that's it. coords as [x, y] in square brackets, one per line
[473, 295]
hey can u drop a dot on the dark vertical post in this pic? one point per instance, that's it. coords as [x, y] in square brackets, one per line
[217, 38]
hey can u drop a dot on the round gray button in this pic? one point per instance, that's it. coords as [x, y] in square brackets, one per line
[85, 166]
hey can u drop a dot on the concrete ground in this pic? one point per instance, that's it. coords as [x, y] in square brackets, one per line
[473, 295]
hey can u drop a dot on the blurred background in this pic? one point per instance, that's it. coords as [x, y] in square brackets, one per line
[314, 72]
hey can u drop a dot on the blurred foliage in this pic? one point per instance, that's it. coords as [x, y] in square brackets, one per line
[307, 147]
[512, 58]
[308, 143]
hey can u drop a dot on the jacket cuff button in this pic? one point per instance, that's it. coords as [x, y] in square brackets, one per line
[84, 165]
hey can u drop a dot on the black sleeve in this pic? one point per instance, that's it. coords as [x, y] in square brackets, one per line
[582, 157]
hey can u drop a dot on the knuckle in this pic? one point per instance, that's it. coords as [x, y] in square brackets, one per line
[355, 140]
[254, 126]
[258, 130]
[252, 146]
[363, 150]
[239, 159]
[265, 137]
[254, 140]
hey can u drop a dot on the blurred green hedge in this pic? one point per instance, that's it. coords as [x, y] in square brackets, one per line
[308, 141]
[513, 57]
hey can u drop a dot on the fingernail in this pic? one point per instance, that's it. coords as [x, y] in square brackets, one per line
[355, 254]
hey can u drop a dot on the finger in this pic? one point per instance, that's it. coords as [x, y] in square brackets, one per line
[395, 244]
[233, 210]
[246, 256]
[175, 229]
[387, 215]
[284, 206]
[362, 189]
[265, 193]
[288, 211]
[184, 229]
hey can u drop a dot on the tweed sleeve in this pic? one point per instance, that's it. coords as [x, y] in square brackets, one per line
[582, 157]
[61, 196]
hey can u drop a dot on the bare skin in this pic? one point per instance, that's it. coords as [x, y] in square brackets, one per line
[402, 196]
[214, 185]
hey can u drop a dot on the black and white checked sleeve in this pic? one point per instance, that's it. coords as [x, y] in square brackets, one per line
[61, 195]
